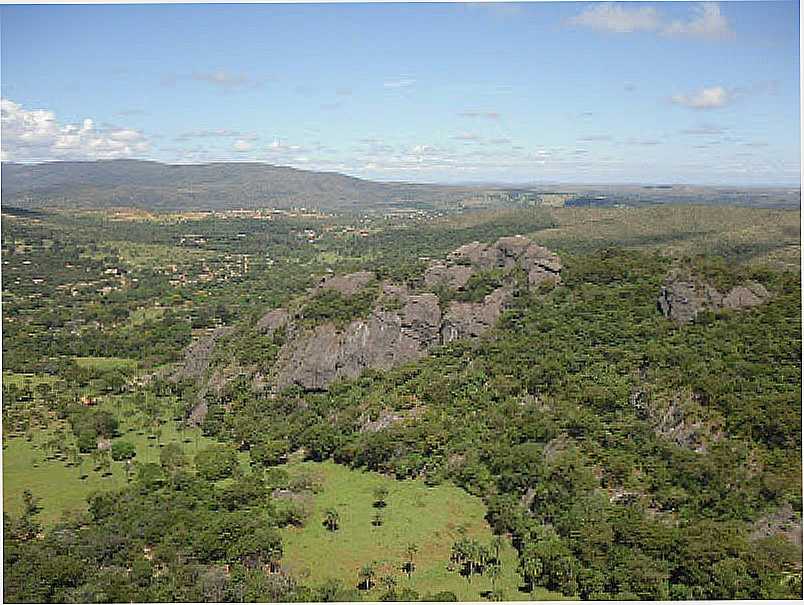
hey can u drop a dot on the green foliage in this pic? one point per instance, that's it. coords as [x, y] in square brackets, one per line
[216, 462]
[330, 305]
[123, 450]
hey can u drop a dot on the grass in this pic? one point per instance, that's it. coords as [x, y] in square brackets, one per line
[430, 517]
[106, 364]
[33, 380]
[748, 235]
[59, 487]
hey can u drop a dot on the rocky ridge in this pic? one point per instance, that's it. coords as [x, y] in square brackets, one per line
[403, 324]
[683, 297]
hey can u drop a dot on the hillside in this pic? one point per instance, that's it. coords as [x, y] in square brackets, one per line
[157, 186]
[518, 404]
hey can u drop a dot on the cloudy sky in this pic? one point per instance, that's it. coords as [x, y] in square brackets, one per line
[548, 91]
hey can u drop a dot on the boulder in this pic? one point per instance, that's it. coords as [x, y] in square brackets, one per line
[742, 297]
[273, 320]
[347, 285]
[453, 277]
[683, 297]
[469, 320]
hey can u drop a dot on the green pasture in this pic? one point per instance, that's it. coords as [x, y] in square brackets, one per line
[432, 518]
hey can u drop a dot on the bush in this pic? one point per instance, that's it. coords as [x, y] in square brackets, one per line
[216, 462]
[123, 450]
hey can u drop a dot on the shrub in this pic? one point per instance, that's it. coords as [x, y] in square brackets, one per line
[123, 450]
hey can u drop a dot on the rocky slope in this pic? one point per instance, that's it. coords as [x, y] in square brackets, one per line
[684, 296]
[403, 325]
[404, 321]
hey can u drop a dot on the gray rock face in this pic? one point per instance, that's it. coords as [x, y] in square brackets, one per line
[539, 262]
[383, 340]
[197, 355]
[273, 320]
[452, 277]
[469, 320]
[782, 522]
[347, 284]
[742, 297]
[401, 327]
[682, 298]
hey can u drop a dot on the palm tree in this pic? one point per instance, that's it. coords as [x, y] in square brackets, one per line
[380, 494]
[366, 576]
[389, 582]
[497, 544]
[410, 552]
[332, 519]
[493, 571]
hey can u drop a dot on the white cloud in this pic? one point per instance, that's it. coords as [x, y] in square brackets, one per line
[489, 115]
[215, 133]
[36, 135]
[707, 23]
[706, 98]
[242, 145]
[467, 136]
[615, 18]
[399, 83]
[222, 79]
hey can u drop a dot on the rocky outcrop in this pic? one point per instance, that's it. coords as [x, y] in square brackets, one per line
[682, 298]
[383, 340]
[469, 320]
[273, 320]
[401, 326]
[538, 262]
[783, 522]
[198, 354]
[388, 418]
[680, 418]
[348, 285]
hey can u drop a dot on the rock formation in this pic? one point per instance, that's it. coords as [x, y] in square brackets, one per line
[402, 325]
[383, 340]
[682, 297]
[414, 323]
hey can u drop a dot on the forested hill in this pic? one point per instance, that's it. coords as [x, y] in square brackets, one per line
[154, 185]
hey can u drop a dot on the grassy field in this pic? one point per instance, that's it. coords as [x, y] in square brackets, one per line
[430, 517]
[742, 234]
[106, 364]
[58, 485]
[33, 380]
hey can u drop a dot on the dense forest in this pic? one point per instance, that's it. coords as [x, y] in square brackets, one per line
[618, 454]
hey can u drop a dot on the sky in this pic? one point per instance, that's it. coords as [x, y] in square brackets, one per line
[663, 92]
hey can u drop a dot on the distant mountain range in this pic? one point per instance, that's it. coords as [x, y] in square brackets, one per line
[153, 185]
[221, 186]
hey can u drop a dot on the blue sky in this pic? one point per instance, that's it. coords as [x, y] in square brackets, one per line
[530, 92]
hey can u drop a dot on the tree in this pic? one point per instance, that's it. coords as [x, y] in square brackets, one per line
[123, 450]
[332, 519]
[410, 552]
[380, 494]
[216, 462]
[31, 504]
[172, 457]
[493, 571]
[366, 576]
[377, 519]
